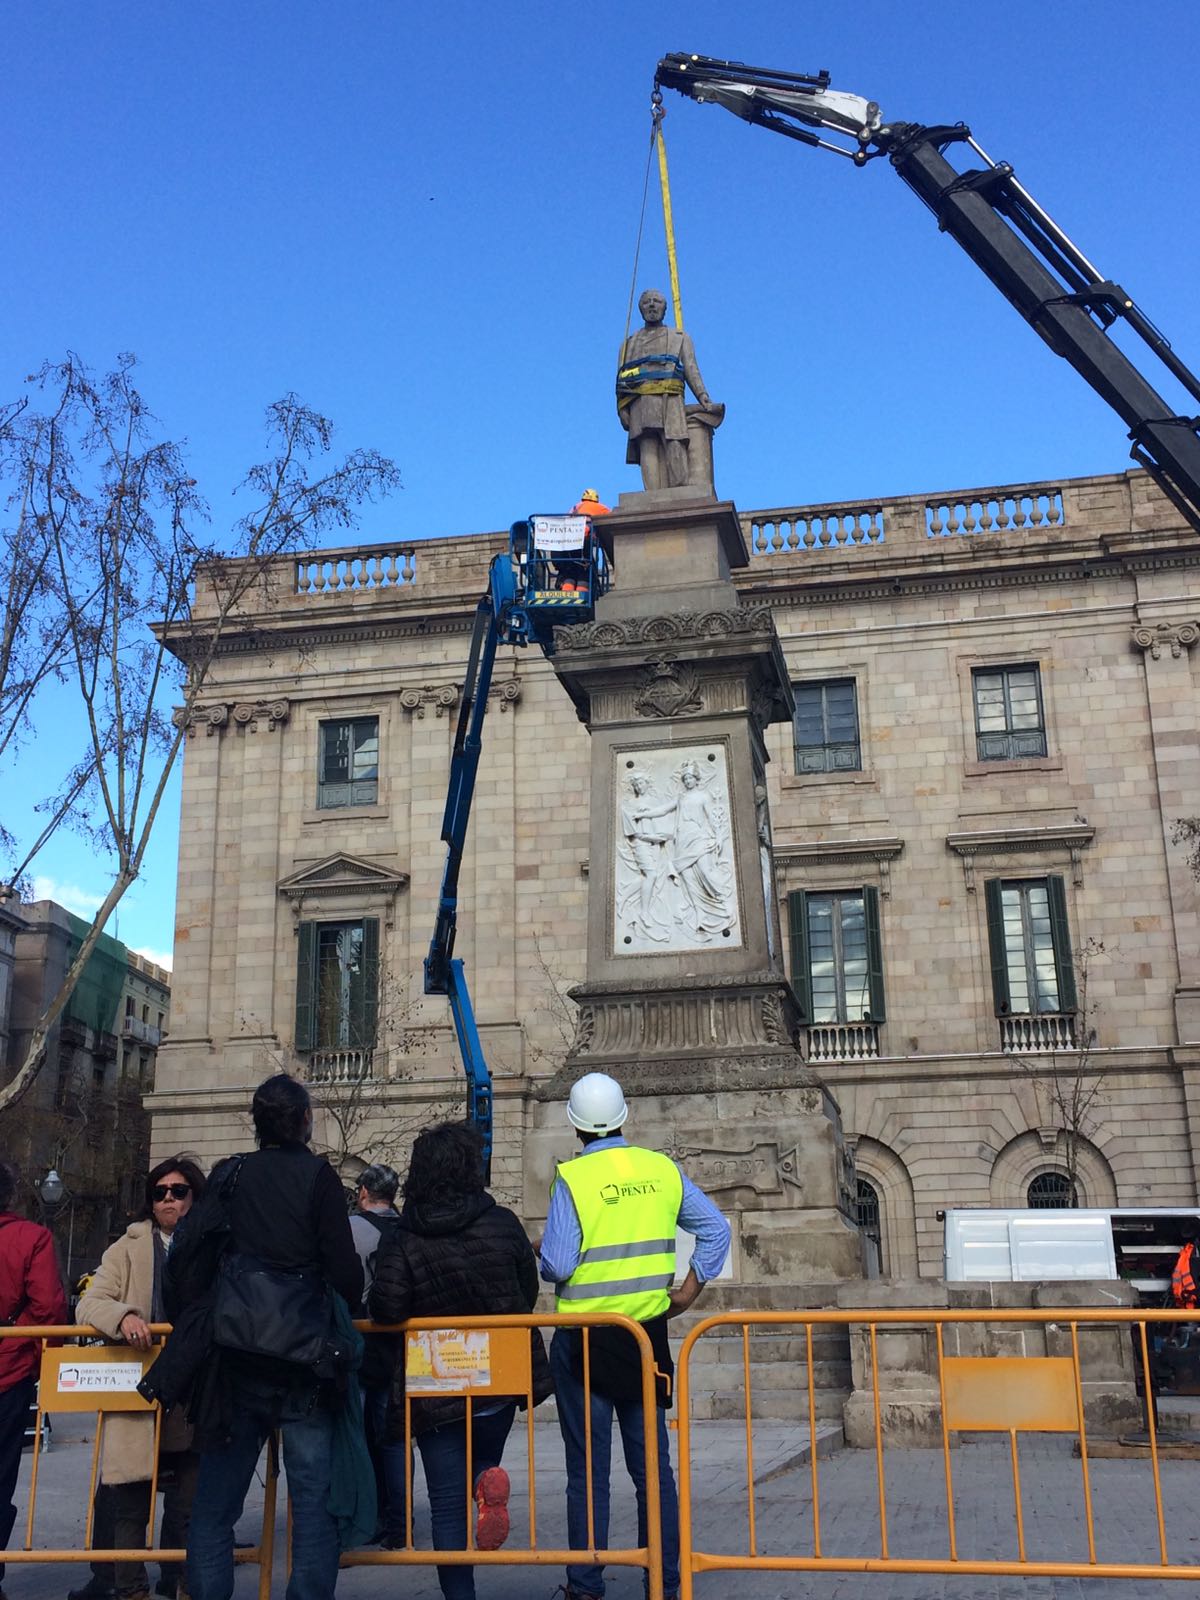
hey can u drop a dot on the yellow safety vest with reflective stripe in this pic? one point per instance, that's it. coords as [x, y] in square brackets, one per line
[627, 1201]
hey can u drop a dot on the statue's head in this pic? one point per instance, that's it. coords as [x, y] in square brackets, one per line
[653, 305]
[689, 774]
[640, 781]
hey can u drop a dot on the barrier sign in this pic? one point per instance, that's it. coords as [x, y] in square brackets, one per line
[559, 533]
[456, 1360]
[93, 1378]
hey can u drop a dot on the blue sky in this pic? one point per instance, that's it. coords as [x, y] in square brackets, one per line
[421, 218]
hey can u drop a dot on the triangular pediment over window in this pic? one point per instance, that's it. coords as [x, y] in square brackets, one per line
[342, 874]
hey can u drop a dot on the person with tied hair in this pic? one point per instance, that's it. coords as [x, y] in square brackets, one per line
[31, 1292]
[123, 1298]
[457, 1254]
[288, 1233]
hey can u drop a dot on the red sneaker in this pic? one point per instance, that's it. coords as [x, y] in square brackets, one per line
[491, 1499]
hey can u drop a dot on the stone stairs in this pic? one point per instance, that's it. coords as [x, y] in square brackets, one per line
[778, 1367]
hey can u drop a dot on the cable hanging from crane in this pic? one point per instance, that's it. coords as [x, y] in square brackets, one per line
[658, 146]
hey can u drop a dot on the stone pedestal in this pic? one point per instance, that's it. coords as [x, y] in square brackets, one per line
[910, 1408]
[686, 1001]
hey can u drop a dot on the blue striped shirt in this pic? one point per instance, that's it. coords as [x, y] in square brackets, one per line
[562, 1242]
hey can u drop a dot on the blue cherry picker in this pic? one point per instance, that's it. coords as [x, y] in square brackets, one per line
[551, 576]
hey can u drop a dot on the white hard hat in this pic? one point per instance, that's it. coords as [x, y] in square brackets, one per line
[597, 1104]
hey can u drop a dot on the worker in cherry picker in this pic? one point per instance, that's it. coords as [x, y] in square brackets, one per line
[1185, 1275]
[573, 575]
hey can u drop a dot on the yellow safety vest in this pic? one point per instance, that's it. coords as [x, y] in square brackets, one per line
[627, 1201]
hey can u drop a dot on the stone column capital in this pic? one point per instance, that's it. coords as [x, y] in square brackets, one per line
[1177, 637]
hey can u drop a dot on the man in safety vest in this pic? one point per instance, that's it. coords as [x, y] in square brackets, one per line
[609, 1245]
[1183, 1278]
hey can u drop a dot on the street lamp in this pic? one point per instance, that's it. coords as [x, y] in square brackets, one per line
[52, 1189]
[54, 1195]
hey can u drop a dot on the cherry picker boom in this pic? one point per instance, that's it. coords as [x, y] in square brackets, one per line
[551, 575]
[1001, 227]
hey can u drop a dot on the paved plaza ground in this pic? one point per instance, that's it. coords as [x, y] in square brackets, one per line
[849, 1502]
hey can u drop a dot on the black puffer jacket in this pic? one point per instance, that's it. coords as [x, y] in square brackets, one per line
[461, 1258]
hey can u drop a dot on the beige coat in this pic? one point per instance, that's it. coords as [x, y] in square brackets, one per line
[124, 1282]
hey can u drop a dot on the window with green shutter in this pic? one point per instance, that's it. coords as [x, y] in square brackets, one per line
[837, 955]
[1030, 946]
[337, 985]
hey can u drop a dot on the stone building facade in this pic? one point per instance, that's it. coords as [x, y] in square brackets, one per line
[84, 1116]
[992, 934]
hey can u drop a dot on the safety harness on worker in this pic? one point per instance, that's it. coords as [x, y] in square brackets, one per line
[1183, 1279]
[627, 1201]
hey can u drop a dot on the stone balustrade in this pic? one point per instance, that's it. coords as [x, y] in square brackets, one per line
[1037, 1036]
[353, 571]
[843, 1041]
[444, 572]
[340, 1066]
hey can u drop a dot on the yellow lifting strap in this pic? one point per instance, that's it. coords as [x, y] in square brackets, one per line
[657, 142]
[668, 219]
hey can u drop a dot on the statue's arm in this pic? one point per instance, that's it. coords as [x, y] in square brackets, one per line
[661, 810]
[691, 371]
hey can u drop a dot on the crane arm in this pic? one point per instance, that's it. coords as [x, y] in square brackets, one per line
[1005, 232]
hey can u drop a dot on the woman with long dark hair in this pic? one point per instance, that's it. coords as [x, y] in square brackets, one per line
[457, 1254]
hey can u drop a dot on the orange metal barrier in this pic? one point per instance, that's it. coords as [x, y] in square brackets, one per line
[102, 1379]
[501, 1365]
[477, 1357]
[978, 1394]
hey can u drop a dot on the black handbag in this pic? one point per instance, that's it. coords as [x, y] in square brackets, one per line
[281, 1312]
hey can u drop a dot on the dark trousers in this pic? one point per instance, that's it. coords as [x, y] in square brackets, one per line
[122, 1516]
[14, 1419]
[444, 1457]
[573, 1406]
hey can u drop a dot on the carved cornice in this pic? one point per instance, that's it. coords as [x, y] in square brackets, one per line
[666, 629]
[341, 874]
[1073, 838]
[215, 716]
[835, 852]
[1177, 637]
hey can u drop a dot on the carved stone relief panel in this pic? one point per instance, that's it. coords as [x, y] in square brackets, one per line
[674, 877]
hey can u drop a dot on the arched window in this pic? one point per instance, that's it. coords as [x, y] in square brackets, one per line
[867, 1210]
[1050, 1191]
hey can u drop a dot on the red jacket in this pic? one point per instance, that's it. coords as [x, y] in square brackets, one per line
[31, 1292]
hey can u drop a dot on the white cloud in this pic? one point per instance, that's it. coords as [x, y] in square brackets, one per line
[81, 901]
[161, 958]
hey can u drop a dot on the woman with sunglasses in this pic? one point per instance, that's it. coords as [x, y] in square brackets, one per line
[124, 1297]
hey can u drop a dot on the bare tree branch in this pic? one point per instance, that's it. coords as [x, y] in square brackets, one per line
[1073, 1085]
[98, 561]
